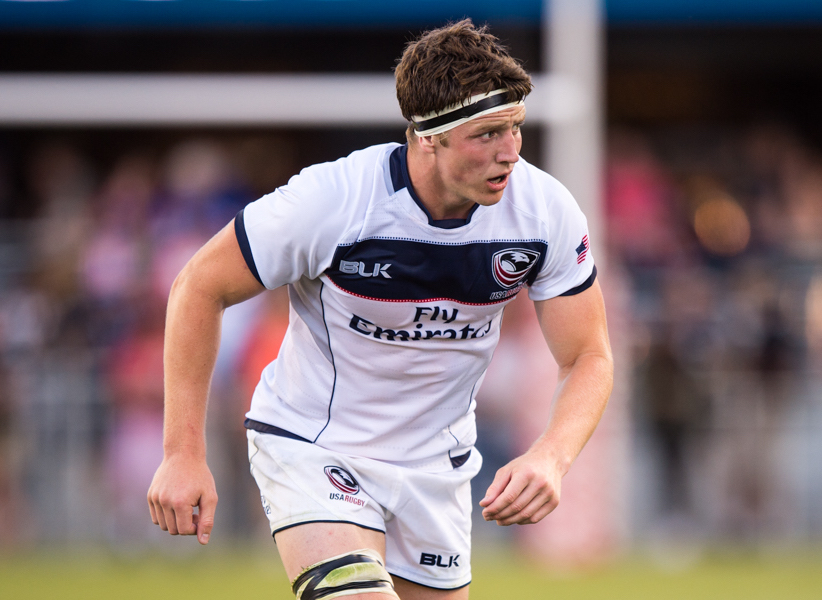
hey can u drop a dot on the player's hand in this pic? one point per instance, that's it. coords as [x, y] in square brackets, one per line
[180, 484]
[524, 491]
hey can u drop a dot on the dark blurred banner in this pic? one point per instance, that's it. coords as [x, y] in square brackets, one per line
[378, 13]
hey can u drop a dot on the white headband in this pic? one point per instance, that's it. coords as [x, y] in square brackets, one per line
[462, 112]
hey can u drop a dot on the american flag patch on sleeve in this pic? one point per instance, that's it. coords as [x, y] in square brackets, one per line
[582, 250]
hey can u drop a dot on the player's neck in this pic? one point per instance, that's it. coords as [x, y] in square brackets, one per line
[432, 191]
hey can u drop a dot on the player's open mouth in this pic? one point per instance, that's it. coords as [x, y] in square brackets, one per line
[499, 182]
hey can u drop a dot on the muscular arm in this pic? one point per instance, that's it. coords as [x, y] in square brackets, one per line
[214, 279]
[528, 488]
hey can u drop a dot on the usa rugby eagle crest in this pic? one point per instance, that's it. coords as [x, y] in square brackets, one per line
[512, 265]
[342, 480]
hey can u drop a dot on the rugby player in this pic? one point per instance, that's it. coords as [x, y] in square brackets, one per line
[399, 261]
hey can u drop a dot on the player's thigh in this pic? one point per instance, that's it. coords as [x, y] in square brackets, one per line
[305, 545]
[411, 591]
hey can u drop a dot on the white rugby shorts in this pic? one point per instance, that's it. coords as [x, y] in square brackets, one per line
[426, 517]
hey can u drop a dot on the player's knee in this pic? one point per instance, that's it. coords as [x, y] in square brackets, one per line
[358, 571]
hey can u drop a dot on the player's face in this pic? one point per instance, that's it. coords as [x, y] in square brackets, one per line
[476, 160]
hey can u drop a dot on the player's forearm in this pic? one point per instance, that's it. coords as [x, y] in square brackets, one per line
[578, 404]
[192, 339]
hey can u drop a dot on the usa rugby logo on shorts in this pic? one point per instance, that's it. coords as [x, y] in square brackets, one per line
[512, 265]
[342, 480]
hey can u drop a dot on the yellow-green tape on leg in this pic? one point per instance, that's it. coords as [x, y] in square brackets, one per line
[360, 571]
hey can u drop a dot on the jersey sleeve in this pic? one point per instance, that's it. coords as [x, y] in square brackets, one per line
[293, 231]
[568, 268]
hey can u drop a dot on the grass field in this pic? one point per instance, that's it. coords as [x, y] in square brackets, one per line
[727, 577]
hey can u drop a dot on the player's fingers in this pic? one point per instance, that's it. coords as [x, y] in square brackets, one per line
[511, 492]
[151, 510]
[501, 480]
[205, 520]
[157, 512]
[184, 514]
[170, 519]
[542, 504]
[544, 511]
[161, 518]
[532, 494]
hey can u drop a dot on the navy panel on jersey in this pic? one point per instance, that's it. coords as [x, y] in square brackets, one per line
[411, 270]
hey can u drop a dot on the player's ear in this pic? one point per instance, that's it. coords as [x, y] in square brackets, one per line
[426, 143]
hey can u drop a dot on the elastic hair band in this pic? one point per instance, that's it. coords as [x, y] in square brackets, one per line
[457, 114]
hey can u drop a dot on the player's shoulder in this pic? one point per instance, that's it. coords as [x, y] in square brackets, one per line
[334, 193]
[535, 189]
[345, 173]
[544, 201]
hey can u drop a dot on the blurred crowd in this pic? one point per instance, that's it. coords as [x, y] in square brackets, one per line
[720, 235]
[717, 234]
[82, 310]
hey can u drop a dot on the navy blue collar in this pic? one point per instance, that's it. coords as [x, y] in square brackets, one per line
[398, 165]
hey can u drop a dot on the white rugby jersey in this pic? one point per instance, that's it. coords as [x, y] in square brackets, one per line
[394, 317]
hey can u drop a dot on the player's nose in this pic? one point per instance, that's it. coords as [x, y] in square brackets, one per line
[508, 150]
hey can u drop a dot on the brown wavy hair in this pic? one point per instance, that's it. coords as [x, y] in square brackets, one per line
[448, 65]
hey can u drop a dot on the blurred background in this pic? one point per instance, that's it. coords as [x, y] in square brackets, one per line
[689, 131]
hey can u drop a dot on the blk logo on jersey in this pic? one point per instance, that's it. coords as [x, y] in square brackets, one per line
[512, 265]
[359, 268]
[342, 480]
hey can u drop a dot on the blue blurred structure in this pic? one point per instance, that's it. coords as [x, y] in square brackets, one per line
[377, 13]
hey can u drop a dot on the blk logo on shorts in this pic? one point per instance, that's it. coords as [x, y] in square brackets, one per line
[437, 560]
[342, 480]
[512, 265]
